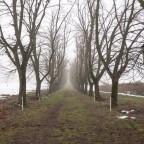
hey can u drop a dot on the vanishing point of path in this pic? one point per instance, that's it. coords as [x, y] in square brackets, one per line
[70, 117]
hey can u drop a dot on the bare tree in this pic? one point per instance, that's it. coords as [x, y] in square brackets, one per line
[57, 63]
[95, 69]
[121, 41]
[81, 72]
[49, 38]
[25, 20]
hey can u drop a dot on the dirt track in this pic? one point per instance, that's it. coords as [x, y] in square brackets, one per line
[43, 134]
[75, 119]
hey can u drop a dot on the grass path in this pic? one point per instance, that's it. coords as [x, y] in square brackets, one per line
[70, 117]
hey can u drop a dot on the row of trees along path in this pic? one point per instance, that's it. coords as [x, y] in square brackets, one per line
[107, 41]
[34, 36]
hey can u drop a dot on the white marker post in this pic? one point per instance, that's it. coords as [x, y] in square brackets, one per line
[22, 104]
[110, 103]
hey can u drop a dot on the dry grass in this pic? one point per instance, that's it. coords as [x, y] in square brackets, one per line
[70, 117]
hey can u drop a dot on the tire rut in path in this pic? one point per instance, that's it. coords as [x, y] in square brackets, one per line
[43, 133]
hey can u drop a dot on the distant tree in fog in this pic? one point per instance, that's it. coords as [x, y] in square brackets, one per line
[93, 67]
[51, 43]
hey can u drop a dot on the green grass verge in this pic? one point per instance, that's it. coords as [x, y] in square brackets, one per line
[72, 117]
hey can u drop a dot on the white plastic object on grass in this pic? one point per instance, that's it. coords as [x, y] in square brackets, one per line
[122, 117]
[127, 112]
[125, 117]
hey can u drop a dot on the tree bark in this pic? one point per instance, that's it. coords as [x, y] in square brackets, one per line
[97, 93]
[91, 90]
[51, 87]
[114, 93]
[38, 89]
[82, 87]
[22, 87]
[85, 90]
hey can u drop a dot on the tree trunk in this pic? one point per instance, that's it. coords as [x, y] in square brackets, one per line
[97, 93]
[51, 87]
[38, 89]
[82, 87]
[114, 93]
[91, 90]
[85, 91]
[22, 87]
